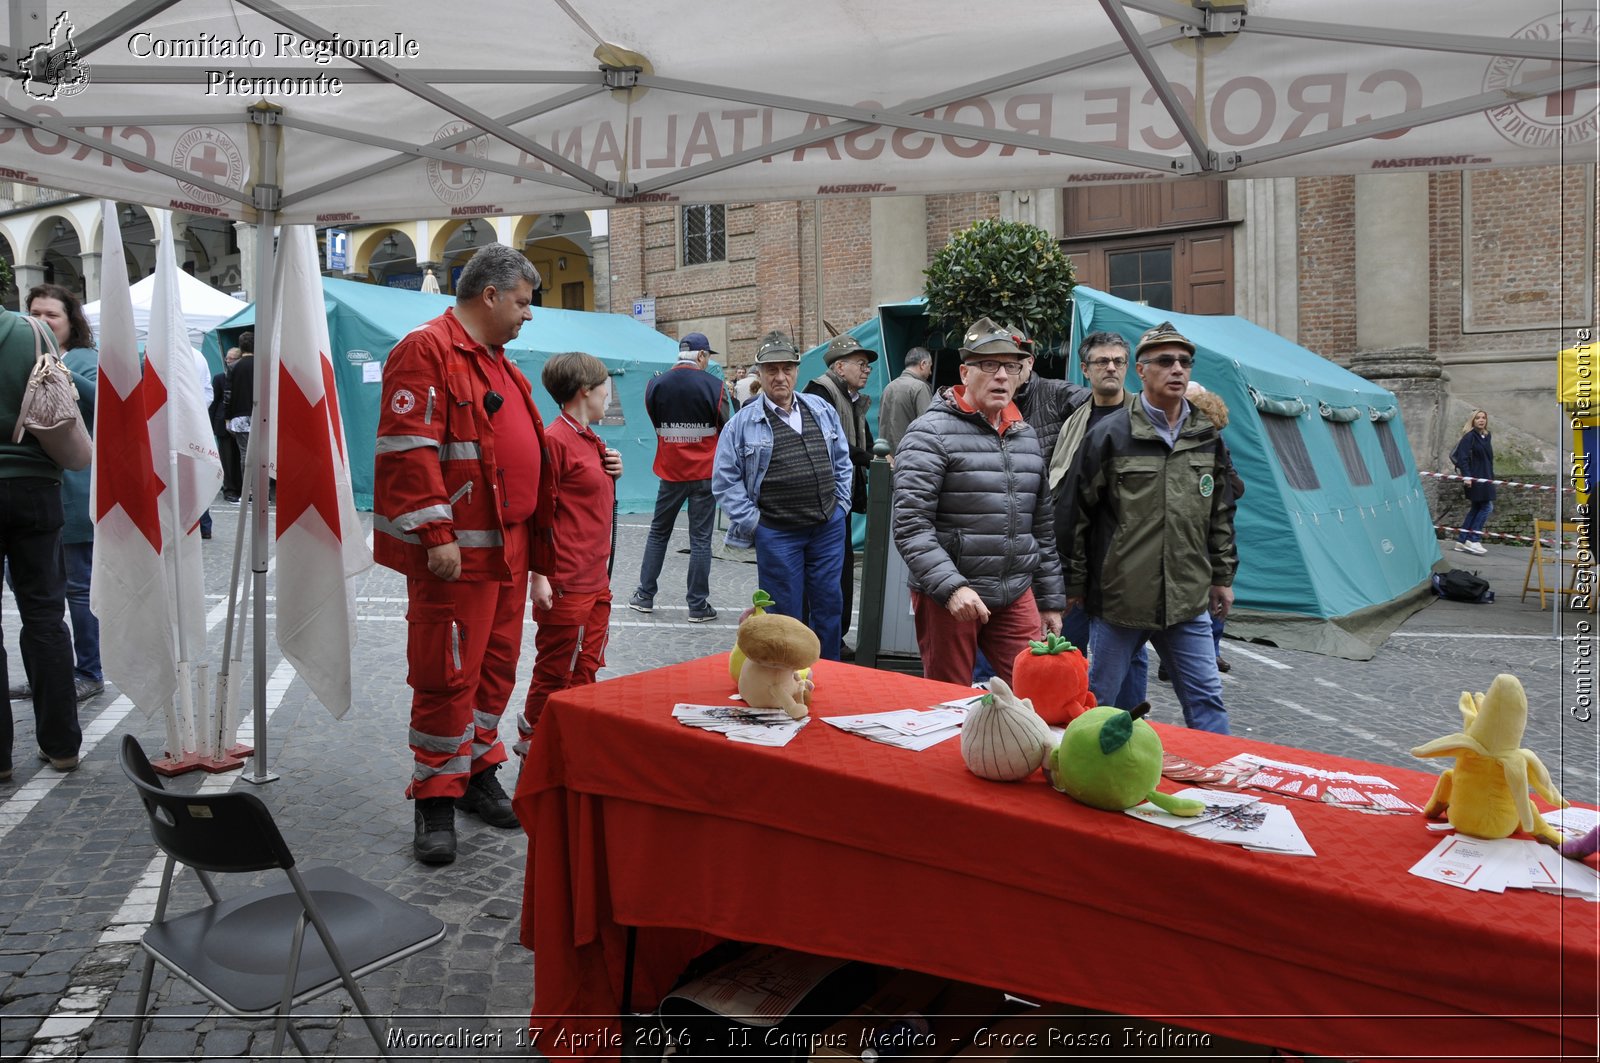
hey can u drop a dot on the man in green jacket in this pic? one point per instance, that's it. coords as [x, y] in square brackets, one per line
[30, 544]
[1146, 527]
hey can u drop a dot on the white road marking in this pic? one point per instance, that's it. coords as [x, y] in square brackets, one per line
[1234, 647]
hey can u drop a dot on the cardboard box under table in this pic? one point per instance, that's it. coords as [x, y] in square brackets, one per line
[841, 846]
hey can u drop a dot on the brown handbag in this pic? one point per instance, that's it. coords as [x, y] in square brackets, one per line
[49, 407]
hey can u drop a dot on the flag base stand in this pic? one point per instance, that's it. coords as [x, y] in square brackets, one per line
[170, 766]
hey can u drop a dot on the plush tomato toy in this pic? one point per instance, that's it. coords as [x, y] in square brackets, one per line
[1055, 677]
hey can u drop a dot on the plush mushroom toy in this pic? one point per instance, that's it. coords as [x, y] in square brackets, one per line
[777, 649]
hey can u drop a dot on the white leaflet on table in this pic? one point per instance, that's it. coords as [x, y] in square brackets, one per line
[913, 729]
[768, 735]
[1574, 878]
[732, 717]
[963, 704]
[1573, 822]
[1466, 863]
[1217, 803]
[1263, 827]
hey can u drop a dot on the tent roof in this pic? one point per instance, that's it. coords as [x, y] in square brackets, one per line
[399, 310]
[833, 97]
[203, 306]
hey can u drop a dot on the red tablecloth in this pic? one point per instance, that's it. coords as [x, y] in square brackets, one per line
[841, 846]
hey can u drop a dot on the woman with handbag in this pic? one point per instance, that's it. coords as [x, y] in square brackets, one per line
[1474, 458]
[31, 519]
[61, 310]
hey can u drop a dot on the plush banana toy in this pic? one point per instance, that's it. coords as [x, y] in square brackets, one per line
[1486, 793]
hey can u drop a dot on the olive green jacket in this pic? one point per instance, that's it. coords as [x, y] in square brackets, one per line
[1145, 531]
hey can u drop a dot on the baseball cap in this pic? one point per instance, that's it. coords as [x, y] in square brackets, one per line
[986, 337]
[1163, 333]
[843, 347]
[776, 347]
[694, 343]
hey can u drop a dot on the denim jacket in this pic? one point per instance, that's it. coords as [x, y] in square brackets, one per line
[745, 448]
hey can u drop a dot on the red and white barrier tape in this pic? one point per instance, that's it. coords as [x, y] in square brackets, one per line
[1495, 535]
[1502, 483]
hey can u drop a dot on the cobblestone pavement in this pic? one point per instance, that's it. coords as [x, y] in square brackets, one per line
[78, 874]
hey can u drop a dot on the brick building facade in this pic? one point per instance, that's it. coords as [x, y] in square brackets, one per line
[1456, 289]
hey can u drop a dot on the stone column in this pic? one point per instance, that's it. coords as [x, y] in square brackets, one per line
[91, 275]
[1392, 303]
[27, 275]
[899, 247]
[1265, 292]
[247, 258]
[600, 272]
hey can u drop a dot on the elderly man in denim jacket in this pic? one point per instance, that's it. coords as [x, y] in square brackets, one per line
[783, 476]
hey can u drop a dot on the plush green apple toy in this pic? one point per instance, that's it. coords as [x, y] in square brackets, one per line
[1111, 759]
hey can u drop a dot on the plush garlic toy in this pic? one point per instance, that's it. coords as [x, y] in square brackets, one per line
[1003, 739]
[1486, 793]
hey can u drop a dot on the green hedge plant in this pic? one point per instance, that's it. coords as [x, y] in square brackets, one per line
[1010, 271]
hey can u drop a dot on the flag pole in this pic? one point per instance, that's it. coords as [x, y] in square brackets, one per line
[265, 119]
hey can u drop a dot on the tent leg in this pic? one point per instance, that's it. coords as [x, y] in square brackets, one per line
[266, 195]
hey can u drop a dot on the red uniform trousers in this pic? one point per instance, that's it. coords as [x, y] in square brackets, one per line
[463, 640]
[570, 643]
[949, 647]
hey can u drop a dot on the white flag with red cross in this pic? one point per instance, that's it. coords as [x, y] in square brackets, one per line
[321, 545]
[128, 588]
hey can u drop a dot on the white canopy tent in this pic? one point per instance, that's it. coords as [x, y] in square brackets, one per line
[204, 308]
[367, 112]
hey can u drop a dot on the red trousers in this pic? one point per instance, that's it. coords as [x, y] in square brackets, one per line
[949, 647]
[463, 640]
[570, 644]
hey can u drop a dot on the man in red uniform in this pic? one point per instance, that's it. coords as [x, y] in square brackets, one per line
[462, 508]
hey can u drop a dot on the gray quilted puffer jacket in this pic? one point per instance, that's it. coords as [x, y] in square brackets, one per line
[971, 508]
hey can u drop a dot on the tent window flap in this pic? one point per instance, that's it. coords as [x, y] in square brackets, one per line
[1355, 466]
[1290, 446]
[1391, 449]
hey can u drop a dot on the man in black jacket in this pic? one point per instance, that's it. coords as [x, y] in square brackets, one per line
[973, 518]
[227, 449]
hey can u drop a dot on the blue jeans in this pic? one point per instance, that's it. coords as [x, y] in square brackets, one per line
[30, 542]
[670, 497]
[85, 625]
[1472, 524]
[800, 570]
[1191, 657]
[1075, 629]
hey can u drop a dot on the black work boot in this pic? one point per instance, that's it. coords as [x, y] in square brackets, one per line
[486, 799]
[435, 840]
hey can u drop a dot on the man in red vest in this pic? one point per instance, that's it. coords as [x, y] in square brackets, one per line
[462, 508]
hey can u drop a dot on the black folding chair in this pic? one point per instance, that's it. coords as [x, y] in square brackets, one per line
[251, 955]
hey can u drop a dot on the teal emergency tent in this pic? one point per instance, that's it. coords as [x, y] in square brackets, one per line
[365, 321]
[1335, 541]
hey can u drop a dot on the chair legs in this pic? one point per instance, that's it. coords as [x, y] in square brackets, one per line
[139, 1009]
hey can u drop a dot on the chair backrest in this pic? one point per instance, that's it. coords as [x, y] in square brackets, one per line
[213, 832]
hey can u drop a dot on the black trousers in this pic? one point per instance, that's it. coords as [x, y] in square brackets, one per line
[30, 543]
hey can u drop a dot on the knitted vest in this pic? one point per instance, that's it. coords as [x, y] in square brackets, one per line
[797, 491]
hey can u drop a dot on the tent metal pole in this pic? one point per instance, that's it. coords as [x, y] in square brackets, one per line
[267, 193]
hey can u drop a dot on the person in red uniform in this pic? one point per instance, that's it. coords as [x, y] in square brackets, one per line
[463, 508]
[570, 640]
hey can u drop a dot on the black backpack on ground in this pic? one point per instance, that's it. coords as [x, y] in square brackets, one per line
[1459, 585]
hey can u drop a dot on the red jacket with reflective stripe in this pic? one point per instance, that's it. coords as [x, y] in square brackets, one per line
[435, 474]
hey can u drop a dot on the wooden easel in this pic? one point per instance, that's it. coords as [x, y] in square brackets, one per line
[1567, 579]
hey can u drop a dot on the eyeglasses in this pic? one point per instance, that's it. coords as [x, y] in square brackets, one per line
[859, 363]
[1107, 363]
[992, 367]
[1167, 361]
